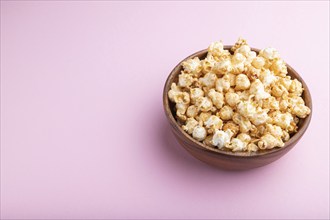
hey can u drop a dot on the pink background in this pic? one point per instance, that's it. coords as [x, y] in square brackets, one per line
[83, 133]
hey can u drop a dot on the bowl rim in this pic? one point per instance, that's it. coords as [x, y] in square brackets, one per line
[215, 151]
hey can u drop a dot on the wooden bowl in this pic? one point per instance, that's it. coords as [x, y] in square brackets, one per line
[227, 159]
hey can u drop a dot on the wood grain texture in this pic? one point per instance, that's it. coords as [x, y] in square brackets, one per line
[227, 159]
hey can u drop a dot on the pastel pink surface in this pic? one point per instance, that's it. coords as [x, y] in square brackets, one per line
[83, 133]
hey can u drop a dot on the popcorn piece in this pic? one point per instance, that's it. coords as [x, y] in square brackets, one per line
[195, 93]
[240, 42]
[279, 67]
[285, 81]
[213, 123]
[236, 145]
[223, 67]
[221, 138]
[216, 48]
[234, 128]
[244, 137]
[268, 141]
[192, 111]
[192, 66]
[238, 68]
[185, 80]
[269, 53]
[222, 84]
[282, 119]
[284, 105]
[244, 50]
[208, 63]
[278, 90]
[208, 140]
[242, 82]
[181, 110]
[208, 80]
[257, 89]
[203, 116]
[249, 58]
[246, 109]
[191, 123]
[177, 96]
[259, 117]
[267, 78]
[271, 103]
[226, 113]
[199, 133]
[274, 130]
[258, 62]
[238, 58]
[203, 104]
[244, 123]
[296, 87]
[232, 98]
[217, 98]
[232, 79]
[301, 111]
[252, 147]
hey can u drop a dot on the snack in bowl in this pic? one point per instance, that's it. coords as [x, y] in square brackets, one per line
[237, 100]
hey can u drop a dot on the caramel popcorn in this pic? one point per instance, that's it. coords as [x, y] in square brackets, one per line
[238, 100]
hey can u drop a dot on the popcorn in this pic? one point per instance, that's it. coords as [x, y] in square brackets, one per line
[244, 123]
[203, 116]
[259, 117]
[238, 58]
[234, 128]
[195, 93]
[208, 63]
[199, 133]
[282, 119]
[258, 62]
[236, 145]
[232, 99]
[226, 113]
[192, 66]
[244, 137]
[246, 109]
[279, 67]
[217, 98]
[268, 141]
[252, 147]
[223, 84]
[192, 111]
[221, 138]
[301, 111]
[191, 123]
[242, 82]
[296, 87]
[232, 79]
[244, 50]
[240, 101]
[208, 80]
[203, 104]
[257, 89]
[278, 90]
[213, 123]
[181, 110]
[223, 67]
[185, 80]
[266, 77]
[269, 53]
[216, 48]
